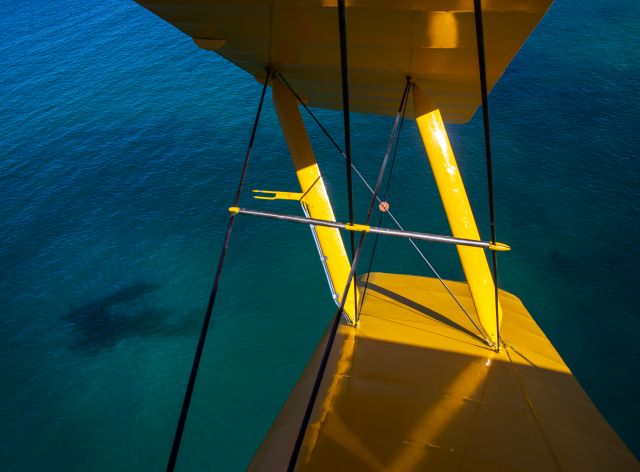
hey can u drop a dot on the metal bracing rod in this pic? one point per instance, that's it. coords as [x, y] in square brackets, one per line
[436, 238]
[344, 67]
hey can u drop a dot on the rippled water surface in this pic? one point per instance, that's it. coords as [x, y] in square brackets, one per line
[121, 144]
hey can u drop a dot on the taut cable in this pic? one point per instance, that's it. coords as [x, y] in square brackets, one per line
[175, 448]
[477, 10]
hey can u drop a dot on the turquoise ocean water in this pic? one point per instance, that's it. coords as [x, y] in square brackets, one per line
[120, 145]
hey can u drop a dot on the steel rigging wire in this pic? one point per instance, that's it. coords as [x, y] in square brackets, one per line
[175, 448]
[344, 68]
[400, 114]
[477, 11]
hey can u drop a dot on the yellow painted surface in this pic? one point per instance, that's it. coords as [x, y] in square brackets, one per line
[277, 195]
[431, 40]
[501, 247]
[357, 227]
[414, 388]
[458, 210]
[316, 199]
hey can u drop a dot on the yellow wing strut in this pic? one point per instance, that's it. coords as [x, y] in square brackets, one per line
[316, 201]
[458, 210]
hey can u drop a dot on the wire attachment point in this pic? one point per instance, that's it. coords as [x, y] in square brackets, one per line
[383, 207]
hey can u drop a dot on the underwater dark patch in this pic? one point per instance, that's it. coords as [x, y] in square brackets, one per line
[127, 312]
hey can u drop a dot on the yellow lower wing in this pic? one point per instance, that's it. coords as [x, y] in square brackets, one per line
[415, 388]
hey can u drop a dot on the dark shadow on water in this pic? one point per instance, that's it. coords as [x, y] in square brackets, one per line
[104, 322]
[560, 260]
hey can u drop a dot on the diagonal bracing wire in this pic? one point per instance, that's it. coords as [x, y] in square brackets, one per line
[177, 439]
[391, 215]
[482, 72]
[384, 199]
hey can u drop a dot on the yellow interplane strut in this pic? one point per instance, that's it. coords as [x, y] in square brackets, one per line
[458, 210]
[316, 201]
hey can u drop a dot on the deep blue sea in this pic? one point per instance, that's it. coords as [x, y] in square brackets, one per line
[120, 147]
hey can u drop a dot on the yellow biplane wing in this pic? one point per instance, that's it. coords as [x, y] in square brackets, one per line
[432, 41]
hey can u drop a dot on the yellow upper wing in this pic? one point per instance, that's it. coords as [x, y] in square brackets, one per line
[431, 40]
